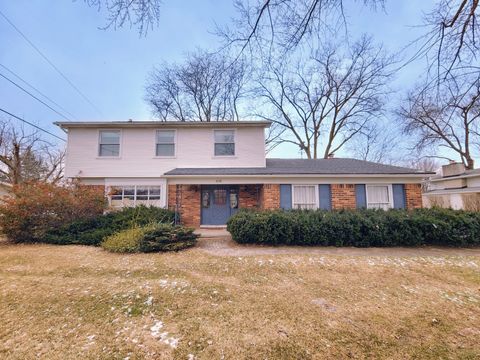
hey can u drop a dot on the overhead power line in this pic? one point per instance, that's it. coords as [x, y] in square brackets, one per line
[38, 91]
[36, 98]
[31, 124]
[51, 63]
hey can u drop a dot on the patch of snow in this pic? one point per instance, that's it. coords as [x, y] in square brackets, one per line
[155, 329]
[149, 301]
[163, 336]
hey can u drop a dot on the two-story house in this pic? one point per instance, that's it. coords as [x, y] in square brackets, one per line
[208, 170]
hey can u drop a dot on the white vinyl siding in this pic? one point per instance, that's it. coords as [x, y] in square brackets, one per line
[109, 143]
[165, 143]
[379, 197]
[224, 142]
[133, 195]
[305, 196]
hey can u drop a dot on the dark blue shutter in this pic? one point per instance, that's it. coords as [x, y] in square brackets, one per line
[399, 199]
[325, 194]
[286, 196]
[360, 196]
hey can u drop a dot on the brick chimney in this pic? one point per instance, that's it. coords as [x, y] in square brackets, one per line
[452, 169]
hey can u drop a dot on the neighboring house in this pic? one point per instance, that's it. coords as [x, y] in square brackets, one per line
[209, 170]
[455, 188]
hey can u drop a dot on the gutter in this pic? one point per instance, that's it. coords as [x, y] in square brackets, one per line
[455, 177]
[296, 175]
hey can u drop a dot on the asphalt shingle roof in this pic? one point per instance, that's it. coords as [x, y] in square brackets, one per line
[335, 166]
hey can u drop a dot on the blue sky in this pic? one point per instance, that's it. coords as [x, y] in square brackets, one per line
[110, 66]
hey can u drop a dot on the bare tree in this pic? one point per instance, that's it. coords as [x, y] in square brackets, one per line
[447, 115]
[424, 163]
[286, 22]
[452, 25]
[207, 87]
[329, 99]
[143, 14]
[452, 39]
[25, 157]
[375, 143]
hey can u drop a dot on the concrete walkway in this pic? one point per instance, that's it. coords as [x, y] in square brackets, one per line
[219, 242]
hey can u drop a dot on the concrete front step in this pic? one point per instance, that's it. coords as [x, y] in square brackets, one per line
[212, 232]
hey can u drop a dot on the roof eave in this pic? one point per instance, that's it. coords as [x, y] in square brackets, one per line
[154, 124]
[415, 175]
[455, 177]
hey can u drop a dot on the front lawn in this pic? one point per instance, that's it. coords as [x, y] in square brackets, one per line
[81, 302]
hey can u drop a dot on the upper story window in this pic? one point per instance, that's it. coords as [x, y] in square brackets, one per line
[109, 143]
[224, 142]
[379, 197]
[165, 143]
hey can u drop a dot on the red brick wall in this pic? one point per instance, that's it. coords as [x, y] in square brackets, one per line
[343, 196]
[249, 196]
[189, 203]
[271, 196]
[413, 194]
[172, 195]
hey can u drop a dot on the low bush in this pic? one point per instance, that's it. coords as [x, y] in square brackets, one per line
[125, 241]
[37, 207]
[164, 237]
[150, 238]
[359, 228]
[92, 231]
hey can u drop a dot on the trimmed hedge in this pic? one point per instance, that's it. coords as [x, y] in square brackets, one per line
[93, 231]
[359, 228]
[151, 238]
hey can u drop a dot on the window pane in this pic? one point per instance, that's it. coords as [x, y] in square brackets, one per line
[205, 199]
[142, 193]
[165, 136]
[224, 136]
[224, 149]
[378, 197]
[154, 190]
[109, 150]
[129, 192]
[304, 197]
[378, 194]
[109, 137]
[165, 149]
[116, 193]
[219, 197]
[233, 200]
[154, 193]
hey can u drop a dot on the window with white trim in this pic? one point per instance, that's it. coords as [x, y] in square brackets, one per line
[133, 195]
[165, 143]
[379, 197]
[305, 197]
[109, 143]
[224, 142]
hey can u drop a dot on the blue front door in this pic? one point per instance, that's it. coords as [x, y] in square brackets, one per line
[218, 203]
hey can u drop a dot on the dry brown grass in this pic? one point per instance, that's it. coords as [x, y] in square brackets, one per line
[81, 302]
